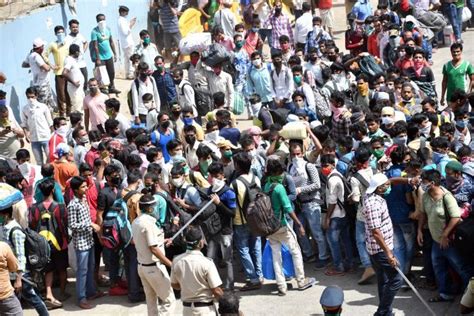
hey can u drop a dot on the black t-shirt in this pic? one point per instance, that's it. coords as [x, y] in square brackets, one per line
[106, 199]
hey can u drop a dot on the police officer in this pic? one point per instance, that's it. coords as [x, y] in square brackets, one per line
[196, 276]
[149, 241]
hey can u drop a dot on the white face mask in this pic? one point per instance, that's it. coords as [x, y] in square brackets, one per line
[62, 130]
[177, 156]
[217, 185]
[257, 62]
[387, 120]
[102, 25]
[212, 136]
[255, 108]
[31, 100]
[24, 169]
[426, 130]
[178, 183]
[95, 144]
[297, 161]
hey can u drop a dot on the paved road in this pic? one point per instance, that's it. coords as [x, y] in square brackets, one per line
[359, 300]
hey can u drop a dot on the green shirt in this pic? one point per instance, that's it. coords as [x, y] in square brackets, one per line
[435, 212]
[456, 76]
[280, 201]
[103, 42]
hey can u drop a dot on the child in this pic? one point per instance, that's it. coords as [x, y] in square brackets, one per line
[253, 41]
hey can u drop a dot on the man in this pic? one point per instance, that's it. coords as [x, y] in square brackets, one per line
[152, 262]
[225, 18]
[59, 136]
[74, 37]
[63, 168]
[95, 113]
[169, 14]
[185, 91]
[60, 50]
[146, 49]
[379, 242]
[221, 81]
[9, 303]
[191, 146]
[331, 300]
[196, 277]
[315, 36]
[126, 39]
[81, 138]
[259, 80]
[113, 111]
[142, 85]
[40, 71]
[304, 24]
[103, 49]
[280, 25]
[440, 210]
[197, 77]
[72, 73]
[454, 74]
[37, 124]
[82, 229]
[10, 134]
[164, 83]
[362, 9]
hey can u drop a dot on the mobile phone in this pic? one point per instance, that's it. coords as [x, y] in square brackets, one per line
[104, 154]
[8, 128]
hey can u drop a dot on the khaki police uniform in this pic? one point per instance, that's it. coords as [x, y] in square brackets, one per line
[196, 275]
[154, 276]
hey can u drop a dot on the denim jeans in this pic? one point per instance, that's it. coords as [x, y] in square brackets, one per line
[442, 260]
[40, 148]
[404, 236]
[337, 234]
[451, 12]
[85, 284]
[388, 283]
[360, 240]
[310, 216]
[250, 252]
[224, 243]
[131, 271]
[29, 294]
[113, 258]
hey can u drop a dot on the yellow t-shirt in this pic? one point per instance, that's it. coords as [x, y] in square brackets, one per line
[59, 54]
[241, 192]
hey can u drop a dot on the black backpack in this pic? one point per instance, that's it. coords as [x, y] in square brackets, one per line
[369, 66]
[37, 249]
[463, 234]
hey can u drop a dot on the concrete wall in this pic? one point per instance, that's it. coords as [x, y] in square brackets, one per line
[17, 37]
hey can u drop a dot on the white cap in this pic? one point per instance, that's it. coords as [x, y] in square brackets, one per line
[376, 181]
[381, 95]
[38, 42]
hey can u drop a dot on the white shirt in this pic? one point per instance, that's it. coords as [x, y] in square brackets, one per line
[147, 53]
[79, 40]
[36, 117]
[149, 86]
[225, 18]
[197, 76]
[124, 124]
[152, 120]
[222, 83]
[40, 76]
[125, 33]
[335, 192]
[72, 64]
[282, 83]
[304, 24]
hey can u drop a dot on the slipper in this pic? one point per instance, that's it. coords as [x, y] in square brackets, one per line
[333, 272]
[439, 299]
[52, 304]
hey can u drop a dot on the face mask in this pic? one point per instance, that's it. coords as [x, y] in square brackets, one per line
[228, 154]
[387, 192]
[5, 122]
[378, 153]
[177, 81]
[257, 62]
[299, 104]
[116, 181]
[239, 44]
[425, 186]
[2, 220]
[147, 41]
[190, 139]
[177, 156]
[387, 120]
[313, 58]
[204, 165]
[31, 100]
[102, 25]
[426, 130]
[462, 124]
[165, 125]
[394, 41]
[178, 183]
[95, 145]
[254, 29]
[316, 29]
[188, 121]
[255, 107]
[297, 161]
[326, 171]
[336, 111]
[297, 80]
[363, 89]
[93, 90]
[253, 153]
[285, 46]
[60, 37]
[217, 185]
[212, 136]
[400, 140]
[143, 77]
[338, 78]
[453, 183]
[277, 10]
[84, 140]
[437, 157]
[62, 130]
[24, 169]
[160, 69]
[194, 60]
[275, 179]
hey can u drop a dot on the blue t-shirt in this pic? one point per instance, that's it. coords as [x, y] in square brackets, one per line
[103, 41]
[398, 206]
[362, 9]
[231, 134]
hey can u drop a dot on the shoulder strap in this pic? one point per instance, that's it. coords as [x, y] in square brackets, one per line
[361, 179]
[129, 195]
[272, 188]
[137, 84]
[10, 236]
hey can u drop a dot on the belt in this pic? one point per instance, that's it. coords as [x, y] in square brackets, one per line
[197, 304]
[148, 264]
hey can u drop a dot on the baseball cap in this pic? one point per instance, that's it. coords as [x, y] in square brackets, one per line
[332, 296]
[376, 181]
[454, 165]
[388, 110]
[225, 144]
[38, 42]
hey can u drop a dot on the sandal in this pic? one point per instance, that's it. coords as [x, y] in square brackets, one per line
[333, 272]
[52, 304]
[439, 299]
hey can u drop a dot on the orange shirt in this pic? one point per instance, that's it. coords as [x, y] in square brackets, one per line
[8, 263]
[63, 171]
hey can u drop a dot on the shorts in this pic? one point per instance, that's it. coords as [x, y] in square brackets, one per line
[171, 40]
[58, 261]
[468, 296]
[327, 17]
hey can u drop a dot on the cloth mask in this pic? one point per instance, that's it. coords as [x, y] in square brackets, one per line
[217, 185]
[178, 183]
[387, 120]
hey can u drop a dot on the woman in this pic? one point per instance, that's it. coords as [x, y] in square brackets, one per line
[421, 74]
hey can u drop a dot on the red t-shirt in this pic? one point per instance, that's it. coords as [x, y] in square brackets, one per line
[325, 4]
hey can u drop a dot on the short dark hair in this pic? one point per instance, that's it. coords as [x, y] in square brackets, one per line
[432, 175]
[274, 167]
[242, 161]
[229, 303]
[75, 117]
[73, 21]
[113, 103]
[327, 159]
[22, 154]
[76, 182]
[46, 186]
[58, 28]
[111, 124]
[216, 168]
[47, 170]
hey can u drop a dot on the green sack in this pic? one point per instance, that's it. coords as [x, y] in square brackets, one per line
[239, 104]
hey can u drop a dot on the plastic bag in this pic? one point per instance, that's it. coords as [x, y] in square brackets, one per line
[9, 196]
[216, 54]
[100, 73]
[466, 14]
[239, 104]
[197, 42]
[71, 256]
[267, 262]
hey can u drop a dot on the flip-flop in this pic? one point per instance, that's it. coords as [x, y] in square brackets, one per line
[52, 304]
[439, 299]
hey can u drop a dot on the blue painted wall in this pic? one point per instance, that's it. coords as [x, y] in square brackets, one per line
[17, 37]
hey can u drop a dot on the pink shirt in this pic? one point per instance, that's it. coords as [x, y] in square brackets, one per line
[96, 107]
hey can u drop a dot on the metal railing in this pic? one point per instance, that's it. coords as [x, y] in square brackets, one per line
[11, 9]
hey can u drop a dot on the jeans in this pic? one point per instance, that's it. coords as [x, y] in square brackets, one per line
[131, 271]
[451, 12]
[428, 271]
[224, 243]
[40, 148]
[404, 236]
[85, 284]
[388, 283]
[113, 259]
[310, 216]
[29, 294]
[250, 252]
[109, 65]
[339, 231]
[442, 260]
[360, 240]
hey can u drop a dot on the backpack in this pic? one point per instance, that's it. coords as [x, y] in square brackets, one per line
[48, 225]
[278, 115]
[258, 210]
[463, 234]
[322, 104]
[130, 98]
[117, 230]
[37, 249]
[369, 66]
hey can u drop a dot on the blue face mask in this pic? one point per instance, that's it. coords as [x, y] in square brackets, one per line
[188, 121]
[387, 192]
[461, 123]
[437, 157]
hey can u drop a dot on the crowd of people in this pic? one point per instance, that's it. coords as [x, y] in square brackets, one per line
[354, 159]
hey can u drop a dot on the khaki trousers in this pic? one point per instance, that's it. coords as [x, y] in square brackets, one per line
[157, 285]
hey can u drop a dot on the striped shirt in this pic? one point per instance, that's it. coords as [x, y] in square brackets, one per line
[376, 216]
[280, 25]
[168, 19]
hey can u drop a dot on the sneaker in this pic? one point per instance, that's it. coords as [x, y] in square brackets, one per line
[405, 287]
[281, 292]
[366, 276]
[249, 286]
[117, 291]
[321, 264]
[306, 284]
